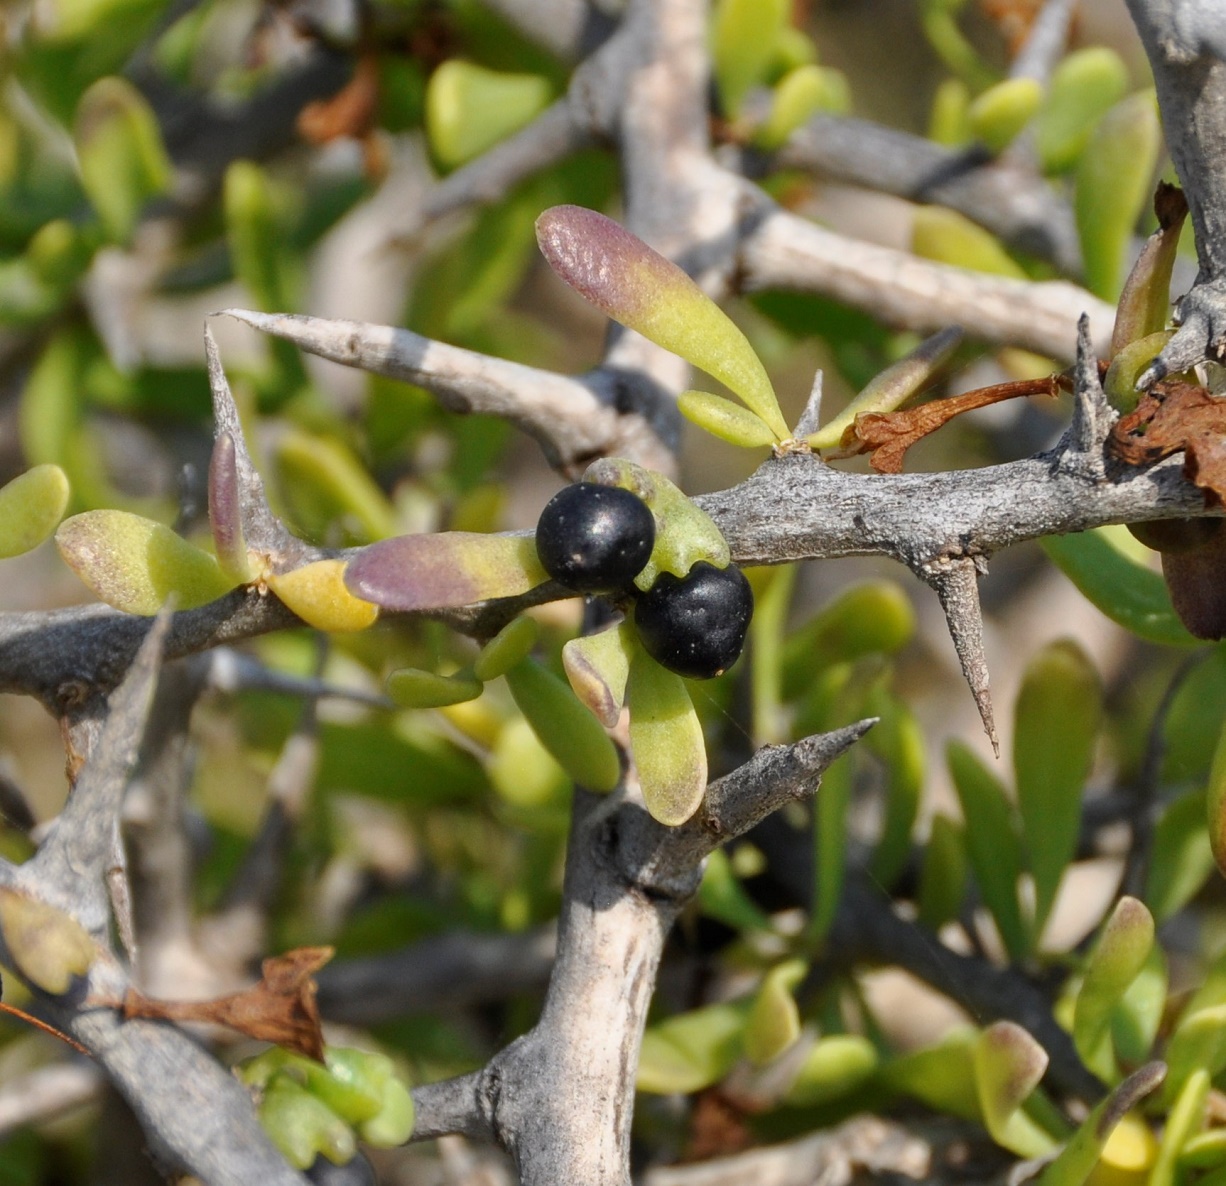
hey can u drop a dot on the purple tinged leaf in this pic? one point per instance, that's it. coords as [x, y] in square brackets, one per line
[1008, 1066]
[412, 573]
[636, 286]
[224, 514]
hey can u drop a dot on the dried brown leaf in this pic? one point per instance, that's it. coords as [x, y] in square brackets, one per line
[888, 435]
[1177, 417]
[280, 1009]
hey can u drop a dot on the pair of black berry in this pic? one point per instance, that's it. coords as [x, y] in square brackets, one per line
[597, 539]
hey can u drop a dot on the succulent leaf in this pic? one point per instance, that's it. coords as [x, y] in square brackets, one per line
[509, 647]
[636, 286]
[692, 1050]
[225, 511]
[666, 739]
[743, 44]
[424, 572]
[773, 1024]
[944, 235]
[120, 153]
[318, 594]
[1083, 88]
[31, 506]
[135, 564]
[833, 1068]
[724, 419]
[470, 109]
[1002, 111]
[598, 666]
[1118, 957]
[48, 947]
[1056, 722]
[410, 687]
[302, 1126]
[1114, 179]
[1008, 1066]
[565, 727]
[800, 94]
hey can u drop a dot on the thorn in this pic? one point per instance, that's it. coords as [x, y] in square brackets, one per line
[810, 417]
[956, 581]
[1092, 414]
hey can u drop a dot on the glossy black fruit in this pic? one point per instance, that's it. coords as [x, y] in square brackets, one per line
[595, 539]
[695, 625]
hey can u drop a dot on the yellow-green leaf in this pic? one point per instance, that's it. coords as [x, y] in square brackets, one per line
[724, 419]
[1083, 87]
[833, 1068]
[31, 506]
[670, 755]
[774, 1019]
[1008, 1066]
[598, 666]
[1003, 110]
[410, 687]
[48, 947]
[317, 593]
[509, 647]
[135, 564]
[948, 237]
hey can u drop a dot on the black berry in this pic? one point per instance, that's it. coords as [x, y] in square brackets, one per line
[595, 539]
[695, 625]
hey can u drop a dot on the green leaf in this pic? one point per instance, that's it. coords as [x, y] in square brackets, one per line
[1128, 593]
[949, 121]
[324, 482]
[469, 109]
[1083, 87]
[772, 594]
[1196, 1048]
[1056, 722]
[525, 774]
[666, 739]
[1181, 859]
[1215, 803]
[649, 294]
[508, 648]
[692, 1050]
[135, 564]
[893, 386]
[830, 838]
[835, 1066]
[773, 1024]
[943, 876]
[1003, 110]
[1093, 1138]
[1008, 1065]
[869, 618]
[743, 43]
[940, 1076]
[1114, 181]
[303, 1126]
[423, 572]
[798, 96]
[598, 666]
[393, 1124]
[898, 741]
[566, 729]
[1185, 1118]
[1138, 1016]
[317, 593]
[1117, 959]
[31, 506]
[1120, 381]
[724, 419]
[1145, 303]
[992, 844]
[256, 237]
[944, 235]
[119, 153]
[722, 896]
[410, 687]
[685, 534]
[940, 25]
